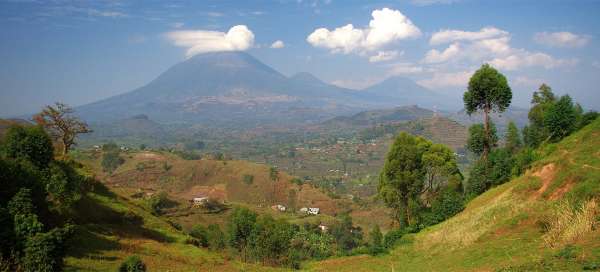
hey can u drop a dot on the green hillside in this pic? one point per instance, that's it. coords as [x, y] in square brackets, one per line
[544, 220]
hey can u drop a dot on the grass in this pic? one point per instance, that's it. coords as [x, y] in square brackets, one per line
[506, 229]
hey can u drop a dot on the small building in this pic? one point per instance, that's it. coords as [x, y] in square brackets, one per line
[313, 211]
[279, 207]
[304, 209]
[199, 201]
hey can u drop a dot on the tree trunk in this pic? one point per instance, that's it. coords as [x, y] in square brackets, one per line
[486, 127]
[65, 148]
[404, 213]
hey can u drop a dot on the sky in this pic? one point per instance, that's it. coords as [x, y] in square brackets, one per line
[79, 52]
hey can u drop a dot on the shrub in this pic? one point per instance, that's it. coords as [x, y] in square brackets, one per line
[45, 251]
[29, 143]
[111, 160]
[215, 237]
[200, 232]
[132, 264]
[392, 237]
[248, 179]
[376, 246]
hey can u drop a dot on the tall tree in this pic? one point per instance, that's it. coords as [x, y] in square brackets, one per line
[561, 118]
[439, 164]
[512, 139]
[489, 92]
[61, 124]
[403, 175]
[536, 132]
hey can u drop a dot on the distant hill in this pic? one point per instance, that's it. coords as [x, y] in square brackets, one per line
[373, 117]
[235, 89]
[404, 91]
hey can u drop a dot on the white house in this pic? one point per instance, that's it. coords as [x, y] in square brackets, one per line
[278, 207]
[304, 210]
[200, 200]
[313, 211]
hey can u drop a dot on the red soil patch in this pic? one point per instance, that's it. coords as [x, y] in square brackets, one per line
[560, 192]
[546, 174]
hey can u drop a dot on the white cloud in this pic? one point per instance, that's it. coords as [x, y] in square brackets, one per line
[561, 39]
[445, 80]
[491, 45]
[385, 56]
[448, 36]
[435, 56]
[524, 59]
[386, 27]
[277, 44]
[238, 38]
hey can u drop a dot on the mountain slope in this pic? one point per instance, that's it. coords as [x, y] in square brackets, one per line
[226, 87]
[510, 227]
[404, 91]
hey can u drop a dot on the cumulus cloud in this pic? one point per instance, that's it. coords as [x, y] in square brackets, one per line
[489, 44]
[443, 80]
[435, 56]
[561, 39]
[386, 26]
[277, 44]
[238, 38]
[527, 81]
[385, 56]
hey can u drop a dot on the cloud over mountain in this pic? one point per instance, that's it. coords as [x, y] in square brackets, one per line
[238, 38]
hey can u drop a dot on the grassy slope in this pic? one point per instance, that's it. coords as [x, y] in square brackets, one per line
[501, 229]
[107, 234]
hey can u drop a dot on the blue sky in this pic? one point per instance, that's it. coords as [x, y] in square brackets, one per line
[81, 51]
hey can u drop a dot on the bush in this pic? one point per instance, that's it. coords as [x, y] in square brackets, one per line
[111, 160]
[45, 251]
[376, 246]
[392, 237]
[200, 232]
[248, 179]
[215, 237]
[29, 143]
[132, 264]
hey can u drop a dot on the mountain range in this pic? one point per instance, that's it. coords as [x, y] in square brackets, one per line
[236, 89]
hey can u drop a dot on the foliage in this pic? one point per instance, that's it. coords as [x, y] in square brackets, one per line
[560, 118]
[415, 170]
[201, 233]
[239, 228]
[61, 124]
[311, 243]
[449, 203]
[512, 139]
[523, 160]
[477, 141]
[45, 250]
[30, 144]
[215, 237]
[132, 264]
[376, 241]
[248, 179]
[270, 240]
[158, 202]
[488, 91]
[501, 162]
[403, 175]
[111, 160]
[392, 237]
[346, 235]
